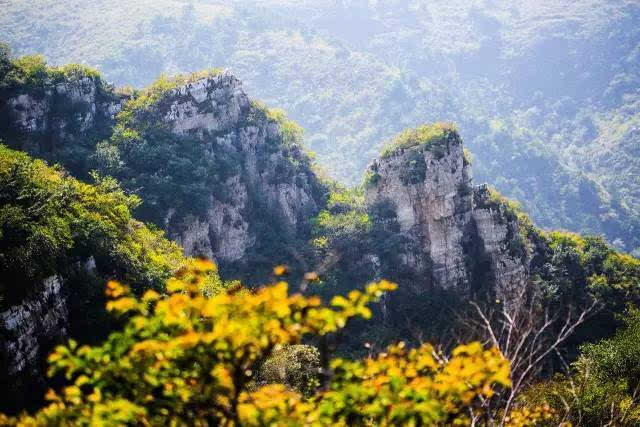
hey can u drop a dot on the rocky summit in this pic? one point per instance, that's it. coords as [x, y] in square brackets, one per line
[455, 236]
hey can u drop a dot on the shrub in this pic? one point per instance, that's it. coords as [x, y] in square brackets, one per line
[183, 359]
[431, 137]
[602, 388]
[49, 220]
[414, 169]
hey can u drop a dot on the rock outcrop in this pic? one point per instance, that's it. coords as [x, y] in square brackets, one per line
[47, 112]
[455, 236]
[263, 187]
[28, 332]
[59, 119]
[271, 182]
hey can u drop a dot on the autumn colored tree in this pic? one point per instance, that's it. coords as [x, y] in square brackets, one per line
[187, 359]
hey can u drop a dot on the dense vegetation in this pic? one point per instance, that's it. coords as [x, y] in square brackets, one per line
[602, 385]
[52, 224]
[183, 359]
[545, 95]
[429, 137]
[567, 271]
[175, 177]
[50, 220]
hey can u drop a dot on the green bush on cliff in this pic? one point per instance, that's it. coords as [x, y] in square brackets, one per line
[345, 219]
[147, 97]
[32, 71]
[49, 220]
[431, 137]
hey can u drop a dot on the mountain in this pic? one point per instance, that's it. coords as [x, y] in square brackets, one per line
[545, 96]
[224, 176]
[451, 231]
[421, 222]
[60, 240]
[196, 160]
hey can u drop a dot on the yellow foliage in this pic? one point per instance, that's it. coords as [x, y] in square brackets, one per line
[188, 359]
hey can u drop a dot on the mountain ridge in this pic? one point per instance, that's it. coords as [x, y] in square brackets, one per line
[228, 178]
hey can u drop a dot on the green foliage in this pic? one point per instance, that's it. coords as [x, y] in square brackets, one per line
[296, 366]
[414, 170]
[33, 233]
[342, 223]
[431, 137]
[371, 179]
[71, 114]
[617, 358]
[610, 276]
[345, 219]
[604, 382]
[153, 93]
[49, 220]
[555, 131]
[291, 131]
[32, 71]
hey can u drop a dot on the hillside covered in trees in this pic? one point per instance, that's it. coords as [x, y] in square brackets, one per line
[545, 94]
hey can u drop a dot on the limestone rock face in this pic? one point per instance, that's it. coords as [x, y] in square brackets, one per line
[498, 234]
[208, 105]
[448, 226]
[61, 111]
[29, 331]
[268, 187]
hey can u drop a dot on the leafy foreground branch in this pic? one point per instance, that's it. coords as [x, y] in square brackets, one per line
[185, 359]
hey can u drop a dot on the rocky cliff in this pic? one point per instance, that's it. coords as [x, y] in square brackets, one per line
[454, 235]
[225, 176]
[28, 331]
[269, 181]
[59, 117]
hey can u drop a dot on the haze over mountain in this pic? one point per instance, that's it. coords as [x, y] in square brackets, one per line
[545, 94]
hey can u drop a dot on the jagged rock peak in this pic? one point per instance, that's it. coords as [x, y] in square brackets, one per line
[210, 104]
[449, 228]
[267, 175]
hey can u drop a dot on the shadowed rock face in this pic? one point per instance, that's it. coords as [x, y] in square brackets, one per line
[455, 238]
[28, 332]
[59, 121]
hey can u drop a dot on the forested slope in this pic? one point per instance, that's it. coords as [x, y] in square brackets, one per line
[545, 95]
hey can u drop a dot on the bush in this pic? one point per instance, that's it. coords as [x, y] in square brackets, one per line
[49, 220]
[183, 359]
[602, 388]
[431, 137]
